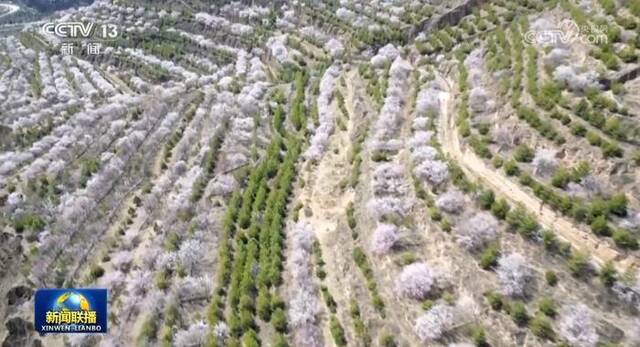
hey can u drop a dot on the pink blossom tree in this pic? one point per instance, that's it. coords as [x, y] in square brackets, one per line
[514, 274]
[417, 281]
[451, 201]
[384, 238]
[435, 323]
[477, 231]
[576, 325]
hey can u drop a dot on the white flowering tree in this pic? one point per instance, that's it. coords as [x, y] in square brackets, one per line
[544, 162]
[451, 201]
[434, 172]
[514, 274]
[418, 280]
[195, 335]
[576, 325]
[384, 238]
[435, 323]
[477, 231]
[388, 208]
[191, 254]
[304, 306]
[388, 178]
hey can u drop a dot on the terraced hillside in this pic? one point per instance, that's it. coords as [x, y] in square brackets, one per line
[327, 173]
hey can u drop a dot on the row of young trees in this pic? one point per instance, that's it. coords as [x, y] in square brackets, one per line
[418, 280]
[250, 265]
[546, 129]
[596, 213]
[547, 96]
[164, 275]
[515, 275]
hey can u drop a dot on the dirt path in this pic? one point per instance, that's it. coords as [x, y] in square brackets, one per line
[398, 320]
[326, 200]
[473, 166]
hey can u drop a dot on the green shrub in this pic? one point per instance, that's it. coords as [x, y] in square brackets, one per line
[479, 336]
[541, 327]
[328, 299]
[250, 339]
[547, 306]
[435, 214]
[486, 199]
[551, 277]
[549, 240]
[427, 304]
[608, 274]
[379, 156]
[337, 331]
[246, 319]
[279, 320]
[500, 208]
[549, 95]
[280, 341]
[495, 300]
[148, 329]
[490, 255]
[624, 239]
[579, 264]
[29, 222]
[593, 138]
[635, 157]
[445, 224]
[522, 221]
[480, 147]
[611, 149]
[525, 179]
[600, 227]
[518, 313]
[387, 340]
[321, 273]
[484, 128]
[351, 219]
[96, 271]
[628, 23]
[511, 168]
[497, 161]
[579, 130]
[464, 128]
[628, 54]
[263, 304]
[378, 303]
[598, 207]
[561, 177]
[172, 242]
[233, 342]
[609, 6]
[613, 127]
[618, 204]
[171, 314]
[408, 258]
[523, 153]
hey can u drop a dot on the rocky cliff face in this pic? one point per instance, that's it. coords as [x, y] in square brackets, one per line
[55, 5]
[446, 19]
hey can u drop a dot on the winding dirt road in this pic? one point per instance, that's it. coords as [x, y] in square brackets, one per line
[475, 168]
